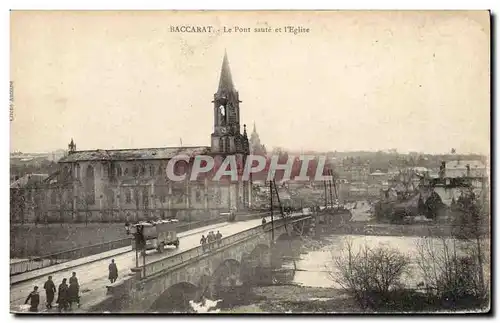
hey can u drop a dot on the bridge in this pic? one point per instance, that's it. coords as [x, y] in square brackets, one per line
[190, 269]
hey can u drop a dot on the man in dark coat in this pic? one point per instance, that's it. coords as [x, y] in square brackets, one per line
[113, 271]
[34, 296]
[203, 242]
[218, 237]
[73, 291]
[50, 290]
[62, 296]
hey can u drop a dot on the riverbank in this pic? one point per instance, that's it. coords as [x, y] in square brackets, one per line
[397, 230]
[291, 299]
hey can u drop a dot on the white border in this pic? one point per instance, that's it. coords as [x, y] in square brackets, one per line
[180, 5]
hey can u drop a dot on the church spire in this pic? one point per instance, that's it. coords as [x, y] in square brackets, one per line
[225, 81]
[254, 128]
[71, 146]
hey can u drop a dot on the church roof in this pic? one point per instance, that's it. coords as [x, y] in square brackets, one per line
[134, 154]
[226, 80]
[28, 180]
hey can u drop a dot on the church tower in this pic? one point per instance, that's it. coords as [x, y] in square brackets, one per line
[256, 148]
[227, 137]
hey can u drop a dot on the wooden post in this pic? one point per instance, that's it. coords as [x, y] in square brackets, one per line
[330, 185]
[136, 255]
[326, 196]
[144, 262]
[272, 218]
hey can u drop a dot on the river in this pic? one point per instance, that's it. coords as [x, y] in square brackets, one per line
[315, 268]
[314, 263]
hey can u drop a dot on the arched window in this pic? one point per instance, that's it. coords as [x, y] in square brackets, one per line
[181, 167]
[143, 170]
[53, 196]
[151, 171]
[135, 170]
[125, 172]
[77, 171]
[227, 146]
[221, 144]
[128, 196]
[118, 170]
[90, 184]
[145, 197]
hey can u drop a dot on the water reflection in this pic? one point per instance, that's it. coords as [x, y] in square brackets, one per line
[301, 261]
[315, 268]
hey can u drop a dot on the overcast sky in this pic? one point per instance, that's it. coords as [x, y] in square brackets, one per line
[357, 81]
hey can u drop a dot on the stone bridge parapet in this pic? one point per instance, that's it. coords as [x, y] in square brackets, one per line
[196, 267]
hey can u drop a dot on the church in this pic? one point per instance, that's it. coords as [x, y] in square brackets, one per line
[131, 184]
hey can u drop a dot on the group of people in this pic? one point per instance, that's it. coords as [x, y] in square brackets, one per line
[67, 295]
[209, 241]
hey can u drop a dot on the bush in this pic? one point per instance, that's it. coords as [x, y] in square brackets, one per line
[370, 275]
[452, 273]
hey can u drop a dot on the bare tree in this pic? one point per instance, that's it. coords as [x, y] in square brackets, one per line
[471, 224]
[449, 270]
[369, 274]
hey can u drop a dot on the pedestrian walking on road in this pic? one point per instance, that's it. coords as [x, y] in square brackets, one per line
[218, 237]
[113, 271]
[50, 290]
[203, 242]
[34, 297]
[73, 291]
[62, 296]
[211, 239]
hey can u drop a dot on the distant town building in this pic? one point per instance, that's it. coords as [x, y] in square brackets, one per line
[464, 168]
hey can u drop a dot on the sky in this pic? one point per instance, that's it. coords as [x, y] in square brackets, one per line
[413, 81]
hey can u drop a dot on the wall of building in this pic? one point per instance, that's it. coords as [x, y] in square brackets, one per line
[124, 190]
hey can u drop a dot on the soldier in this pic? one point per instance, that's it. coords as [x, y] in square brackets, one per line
[73, 291]
[211, 239]
[62, 296]
[218, 237]
[50, 290]
[203, 242]
[34, 296]
[113, 271]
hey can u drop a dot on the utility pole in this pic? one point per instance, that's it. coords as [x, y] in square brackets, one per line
[335, 188]
[272, 218]
[326, 196]
[330, 185]
[144, 262]
[286, 225]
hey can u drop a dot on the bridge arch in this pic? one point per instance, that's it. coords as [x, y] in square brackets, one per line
[226, 276]
[256, 265]
[261, 255]
[284, 237]
[176, 298]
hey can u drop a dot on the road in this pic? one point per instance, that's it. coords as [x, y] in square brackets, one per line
[93, 277]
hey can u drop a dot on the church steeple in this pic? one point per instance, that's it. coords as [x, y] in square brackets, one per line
[71, 147]
[227, 136]
[226, 81]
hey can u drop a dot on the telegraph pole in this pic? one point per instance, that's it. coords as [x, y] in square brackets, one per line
[330, 185]
[326, 196]
[272, 218]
